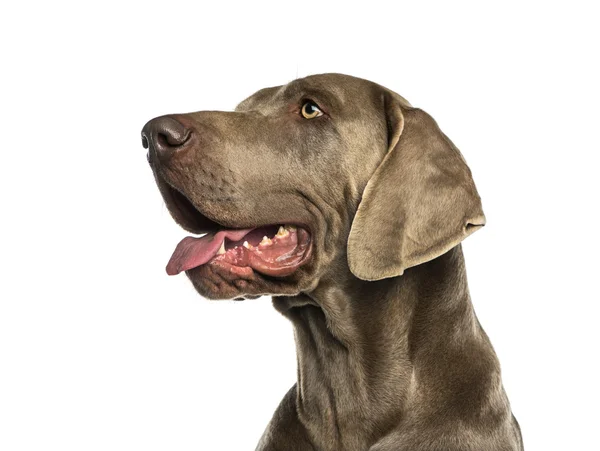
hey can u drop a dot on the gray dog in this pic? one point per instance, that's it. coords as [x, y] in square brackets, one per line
[347, 205]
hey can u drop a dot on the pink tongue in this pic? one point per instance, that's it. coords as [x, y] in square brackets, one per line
[192, 252]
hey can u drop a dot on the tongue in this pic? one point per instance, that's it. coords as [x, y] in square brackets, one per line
[192, 252]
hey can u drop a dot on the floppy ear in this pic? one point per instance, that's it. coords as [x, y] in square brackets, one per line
[420, 202]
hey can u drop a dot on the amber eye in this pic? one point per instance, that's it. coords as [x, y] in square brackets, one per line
[310, 110]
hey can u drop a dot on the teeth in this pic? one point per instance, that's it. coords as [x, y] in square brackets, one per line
[266, 241]
[247, 245]
[222, 248]
[282, 232]
[291, 228]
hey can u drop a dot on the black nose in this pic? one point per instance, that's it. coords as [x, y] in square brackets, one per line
[164, 136]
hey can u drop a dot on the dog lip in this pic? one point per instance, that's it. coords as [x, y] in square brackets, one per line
[190, 212]
[232, 273]
[278, 256]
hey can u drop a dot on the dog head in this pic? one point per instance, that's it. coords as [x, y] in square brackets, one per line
[328, 173]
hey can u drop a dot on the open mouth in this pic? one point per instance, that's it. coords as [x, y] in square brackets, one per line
[273, 250]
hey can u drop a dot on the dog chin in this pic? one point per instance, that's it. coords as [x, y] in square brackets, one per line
[216, 281]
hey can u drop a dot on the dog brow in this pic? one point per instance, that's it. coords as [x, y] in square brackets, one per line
[296, 90]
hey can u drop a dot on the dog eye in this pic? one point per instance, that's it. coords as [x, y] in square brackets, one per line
[310, 110]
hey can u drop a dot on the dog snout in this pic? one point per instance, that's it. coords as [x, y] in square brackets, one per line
[164, 136]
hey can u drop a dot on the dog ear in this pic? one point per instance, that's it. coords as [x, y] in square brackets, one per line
[420, 202]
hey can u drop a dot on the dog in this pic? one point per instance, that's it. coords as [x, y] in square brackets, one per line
[347, 205]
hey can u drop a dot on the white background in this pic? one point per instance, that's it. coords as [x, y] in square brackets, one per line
[100, 350]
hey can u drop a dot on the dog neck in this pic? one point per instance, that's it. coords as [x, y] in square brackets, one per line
[361, 346]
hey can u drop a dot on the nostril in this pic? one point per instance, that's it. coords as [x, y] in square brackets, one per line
[172, 139]
[144, 141]
[162, 141]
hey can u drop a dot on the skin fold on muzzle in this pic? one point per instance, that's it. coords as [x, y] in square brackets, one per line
[347, 205]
